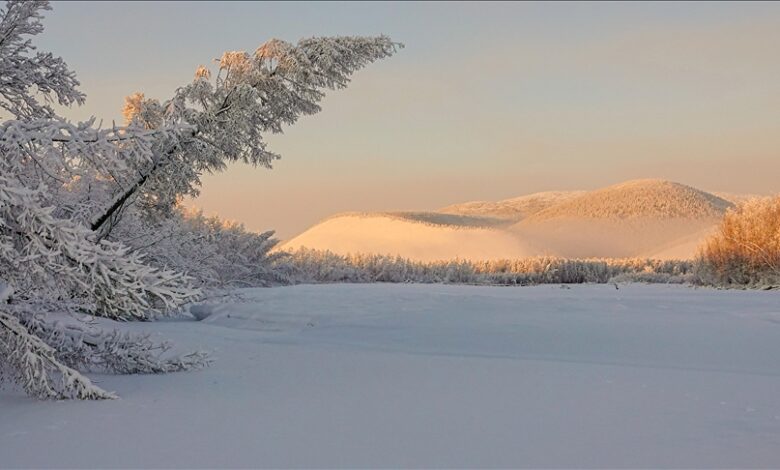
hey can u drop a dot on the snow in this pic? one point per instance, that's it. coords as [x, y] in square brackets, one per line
[400, 375]
[6, 291]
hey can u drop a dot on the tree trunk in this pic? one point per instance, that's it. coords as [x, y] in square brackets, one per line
[119, 202]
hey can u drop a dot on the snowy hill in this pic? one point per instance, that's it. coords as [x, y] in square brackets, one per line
[645, 198]
[645, 218]
[639, 218]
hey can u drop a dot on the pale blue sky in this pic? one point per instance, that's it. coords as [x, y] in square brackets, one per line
[487, 100]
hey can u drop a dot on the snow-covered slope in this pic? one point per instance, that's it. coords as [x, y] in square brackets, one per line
[420, 236]
[433, 376]
[641, 218]
[515, 208]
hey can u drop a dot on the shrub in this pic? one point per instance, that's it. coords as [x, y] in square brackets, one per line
[745, 250]
[312, 266]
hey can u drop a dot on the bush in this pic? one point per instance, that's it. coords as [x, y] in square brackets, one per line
[745, 250]
[215, 253]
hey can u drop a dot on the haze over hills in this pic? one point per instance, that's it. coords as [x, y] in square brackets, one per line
[735, 198]
[427, 237]
[515, 208]
[638, 218]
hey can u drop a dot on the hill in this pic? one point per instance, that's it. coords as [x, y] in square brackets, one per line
[639, 218]
[639, 199]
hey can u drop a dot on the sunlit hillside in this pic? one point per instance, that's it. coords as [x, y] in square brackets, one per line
[652, 218]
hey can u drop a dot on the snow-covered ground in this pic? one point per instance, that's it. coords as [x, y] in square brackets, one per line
[439, 376]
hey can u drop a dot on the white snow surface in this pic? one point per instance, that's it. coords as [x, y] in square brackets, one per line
[405, 375]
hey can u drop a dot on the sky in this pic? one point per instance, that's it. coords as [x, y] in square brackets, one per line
[486, 101]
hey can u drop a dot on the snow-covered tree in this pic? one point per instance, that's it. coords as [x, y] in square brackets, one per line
[210, 122]
[64, 186]
[51, 263]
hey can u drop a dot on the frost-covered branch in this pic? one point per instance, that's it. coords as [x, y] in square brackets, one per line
[84, 345]
[41, 249]
[24, 71]
[32, 364]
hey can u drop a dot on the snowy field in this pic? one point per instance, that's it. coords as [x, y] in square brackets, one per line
[439, 376]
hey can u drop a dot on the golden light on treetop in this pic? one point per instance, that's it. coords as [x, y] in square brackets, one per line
[132, 106]
[137, 108]
[273, 49]
[235, 63]
[202, 72]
